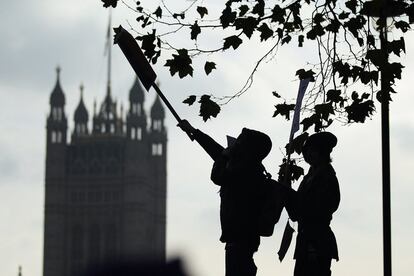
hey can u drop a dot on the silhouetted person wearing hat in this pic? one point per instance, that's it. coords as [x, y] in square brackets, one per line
[239, 172]
[312, 206]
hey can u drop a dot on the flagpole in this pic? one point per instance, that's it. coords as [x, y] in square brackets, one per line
[108, 45]
[288, 232]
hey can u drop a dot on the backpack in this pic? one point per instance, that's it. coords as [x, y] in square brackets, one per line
[271, 205]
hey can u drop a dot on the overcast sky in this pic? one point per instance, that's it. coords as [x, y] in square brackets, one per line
[36, 36]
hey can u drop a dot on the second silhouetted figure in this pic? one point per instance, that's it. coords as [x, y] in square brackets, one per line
[239, 172]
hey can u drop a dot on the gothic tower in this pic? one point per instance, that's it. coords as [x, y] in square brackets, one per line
[55, 194]
[106, 188]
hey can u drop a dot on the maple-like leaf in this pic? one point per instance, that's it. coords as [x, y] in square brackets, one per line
[259, 8]
[232, 41]
[202, 11]
[284, 109]
[209, 66]
[208, 108]
[158, 12]
[324, 110]
[195, 30]
[360, 109]
[247, 25]
[110, 3]
[278, 14]
[190, 100]
[180, 63]
[265, 32]
[243, 9]
[227, 17]
[296, 144]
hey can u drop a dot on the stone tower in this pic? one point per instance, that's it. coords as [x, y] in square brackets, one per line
[105, 189]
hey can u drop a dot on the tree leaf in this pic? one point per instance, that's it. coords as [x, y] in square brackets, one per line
[179, 15]
[110, 3]
[158, 12]
[359, 110]
[259, 8]
[276, 94]
[296, 144]
[284, 110]
[324, 110]
[227, 17]
[334, 96]
[209, 66]
[265, 32]
[202, 11]
[278, 14]
[402, 25]
[208, 108]
[310, 121]
[396, 46]
[180, 63]
[243, 9]
[232, 41]
[190, 100]
[195, 30]
[294, 171]
[148, 44]
[302, 74]
[301, 39]
[352, 5]
[247, 25]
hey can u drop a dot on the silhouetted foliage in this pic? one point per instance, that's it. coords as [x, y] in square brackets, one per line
[346, 42]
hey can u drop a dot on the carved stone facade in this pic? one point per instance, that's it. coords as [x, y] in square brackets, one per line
[105, 190]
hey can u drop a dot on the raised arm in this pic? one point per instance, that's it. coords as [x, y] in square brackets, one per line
[212, 148]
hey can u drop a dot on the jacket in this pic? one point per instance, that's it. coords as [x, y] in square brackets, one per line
[239, 193]
[312, 206]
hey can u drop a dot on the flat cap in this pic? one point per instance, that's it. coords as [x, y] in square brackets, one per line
[325, 141]
[258, 142]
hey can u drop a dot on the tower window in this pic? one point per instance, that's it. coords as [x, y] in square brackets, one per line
[136, 133]
[53, 137]
[139, 133]
[58, 137]
[112, 128]
[57, 113]
[157, 125]
[157, 149]
[103, 128]
[136, 109]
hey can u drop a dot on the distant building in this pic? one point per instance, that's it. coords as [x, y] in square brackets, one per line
[105, 190]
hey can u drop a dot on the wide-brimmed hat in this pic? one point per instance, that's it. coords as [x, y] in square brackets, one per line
[323, 141]
[259, 143]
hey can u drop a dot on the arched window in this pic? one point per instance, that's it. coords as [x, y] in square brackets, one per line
[112, 128]
[136, 109]
[139, 133]
[157, 125]
[53, 136]
[103, 128]
[58, 137]
[59, 114]
[157, 149]
[133, 133]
